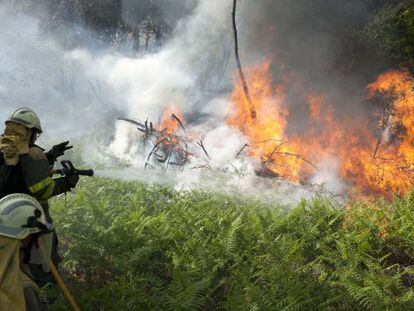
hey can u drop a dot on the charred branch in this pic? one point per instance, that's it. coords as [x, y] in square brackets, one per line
[201, 144]
[253, 113]
[241, 150]
[178, 120]
[154, 149]
[169, 149]
[271, 140]
[299, 156]
[383, 124]
[173, 150]
[142, 127]
[269, 158]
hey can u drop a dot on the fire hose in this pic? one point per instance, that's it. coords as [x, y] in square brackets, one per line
[69, 169]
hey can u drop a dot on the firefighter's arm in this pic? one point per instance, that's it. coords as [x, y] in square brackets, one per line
[37, 176]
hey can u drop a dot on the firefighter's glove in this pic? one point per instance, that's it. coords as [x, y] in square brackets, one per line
[8, 147]
[72, 180]
[57, 151]
[14, 142]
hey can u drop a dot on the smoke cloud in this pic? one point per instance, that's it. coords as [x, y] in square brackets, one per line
[78, 86]
[317, 41]
[37, 73]
[188, 73]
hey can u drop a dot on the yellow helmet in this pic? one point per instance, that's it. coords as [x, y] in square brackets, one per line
[21, 215]
[26, 117]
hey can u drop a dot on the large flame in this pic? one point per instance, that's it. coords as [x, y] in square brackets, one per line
[367, 161]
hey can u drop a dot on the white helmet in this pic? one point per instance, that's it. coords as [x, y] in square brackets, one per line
[26, 117]
[21, 215]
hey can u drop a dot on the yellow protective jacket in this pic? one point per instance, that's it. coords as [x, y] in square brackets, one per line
[17, 291]
[34, 165]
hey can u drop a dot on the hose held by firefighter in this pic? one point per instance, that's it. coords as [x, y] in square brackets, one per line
[26, 169]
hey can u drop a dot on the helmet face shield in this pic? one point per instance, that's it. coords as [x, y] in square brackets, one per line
[15, 233]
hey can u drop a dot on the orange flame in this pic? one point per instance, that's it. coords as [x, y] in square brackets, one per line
[169, 121]
[368, 165]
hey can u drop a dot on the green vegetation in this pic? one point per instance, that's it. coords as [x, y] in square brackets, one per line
[129, 246]
[391, 32]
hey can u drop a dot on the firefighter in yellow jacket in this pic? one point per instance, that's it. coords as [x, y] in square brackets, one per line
[22, 224]
[32, 171]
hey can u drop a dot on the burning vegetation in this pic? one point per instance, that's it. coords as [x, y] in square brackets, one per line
[370, 154]
[168, 147]
[369, 161]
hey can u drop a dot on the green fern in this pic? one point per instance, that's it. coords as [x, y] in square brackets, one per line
[130, 246]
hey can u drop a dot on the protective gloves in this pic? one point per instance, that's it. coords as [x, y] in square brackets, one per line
[72, 180]
[57, 151]
[14, 142]
[65, 184]
[8, 147]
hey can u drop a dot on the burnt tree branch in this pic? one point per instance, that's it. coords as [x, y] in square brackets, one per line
[241, 150]
[201, 144]
[178, 120]
[253, 113]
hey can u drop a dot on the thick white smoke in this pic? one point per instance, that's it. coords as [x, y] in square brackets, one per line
[36, 72]
[79, 93]
[145, 86]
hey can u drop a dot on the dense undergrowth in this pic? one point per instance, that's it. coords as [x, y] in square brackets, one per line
[129, 246]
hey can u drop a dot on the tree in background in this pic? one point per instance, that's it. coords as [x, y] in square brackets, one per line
[126, 25]
[391, 32]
